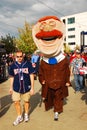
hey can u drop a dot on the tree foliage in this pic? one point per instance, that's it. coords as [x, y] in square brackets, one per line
[9, 43]
[66, 48]
[25, 41]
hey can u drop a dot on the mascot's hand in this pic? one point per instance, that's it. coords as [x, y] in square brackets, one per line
[67, 84]
[43, 82]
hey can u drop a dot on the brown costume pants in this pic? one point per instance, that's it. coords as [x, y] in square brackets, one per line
[54, 99]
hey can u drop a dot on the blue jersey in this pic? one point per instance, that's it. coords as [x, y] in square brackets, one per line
[21, 73]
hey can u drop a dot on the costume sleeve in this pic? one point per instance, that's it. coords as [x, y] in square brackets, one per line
[68, 75]
[41, 72]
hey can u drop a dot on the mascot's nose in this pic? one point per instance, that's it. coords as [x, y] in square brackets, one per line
[47, 27]
[52, 60]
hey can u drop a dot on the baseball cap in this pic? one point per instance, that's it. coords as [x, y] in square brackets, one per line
[78, 51]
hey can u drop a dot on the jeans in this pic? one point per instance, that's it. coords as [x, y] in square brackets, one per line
[78, 82]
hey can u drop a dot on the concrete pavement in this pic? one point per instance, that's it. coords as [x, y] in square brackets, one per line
[74, 116]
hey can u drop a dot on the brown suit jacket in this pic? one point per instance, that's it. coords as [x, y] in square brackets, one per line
[55, 76]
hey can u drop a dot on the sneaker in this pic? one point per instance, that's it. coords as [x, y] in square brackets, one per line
[56, 116]
[82, 90]
[26, 118]
[18, 120]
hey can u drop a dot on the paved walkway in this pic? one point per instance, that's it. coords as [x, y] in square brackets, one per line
[74, 116]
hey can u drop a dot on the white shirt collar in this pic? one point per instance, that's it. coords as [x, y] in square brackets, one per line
[59, 58]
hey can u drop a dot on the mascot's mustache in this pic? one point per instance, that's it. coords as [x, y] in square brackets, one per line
[49, 35]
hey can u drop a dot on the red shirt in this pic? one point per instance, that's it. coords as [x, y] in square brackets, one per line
[72, 57]
[84, 57]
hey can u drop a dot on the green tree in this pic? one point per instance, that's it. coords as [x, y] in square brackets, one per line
[25, 41]
[66, 48]
[9, 43]
[77, 47]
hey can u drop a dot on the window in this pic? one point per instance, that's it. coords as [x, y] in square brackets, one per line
[71, 36]
[71, 43]
[71, 29]
[71, 20]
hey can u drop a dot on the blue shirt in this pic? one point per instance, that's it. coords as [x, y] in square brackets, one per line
[21, 73]
[34, 58]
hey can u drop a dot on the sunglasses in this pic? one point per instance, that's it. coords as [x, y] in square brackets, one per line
[19, 56]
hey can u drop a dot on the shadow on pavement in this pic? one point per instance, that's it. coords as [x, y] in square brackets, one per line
[3, 80]
[34, 101]
[5, 103]
[73, 84]
[84, 96]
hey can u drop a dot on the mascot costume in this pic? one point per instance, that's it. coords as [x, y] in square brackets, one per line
[54, 73]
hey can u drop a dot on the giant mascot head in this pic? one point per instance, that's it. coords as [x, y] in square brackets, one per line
[48, 35]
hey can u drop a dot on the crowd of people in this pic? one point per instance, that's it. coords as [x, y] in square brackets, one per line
[8, 59]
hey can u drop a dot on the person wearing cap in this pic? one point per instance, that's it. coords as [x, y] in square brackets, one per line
[77, 63]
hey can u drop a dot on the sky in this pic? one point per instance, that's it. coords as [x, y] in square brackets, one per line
[14, 13]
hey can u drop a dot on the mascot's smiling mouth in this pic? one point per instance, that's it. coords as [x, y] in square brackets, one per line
[49, 38]
[49, 35]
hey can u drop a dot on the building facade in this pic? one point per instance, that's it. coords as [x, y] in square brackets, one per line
[76, 30]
